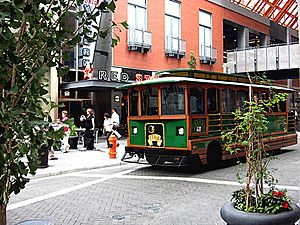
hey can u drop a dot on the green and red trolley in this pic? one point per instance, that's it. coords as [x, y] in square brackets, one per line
[176, 119]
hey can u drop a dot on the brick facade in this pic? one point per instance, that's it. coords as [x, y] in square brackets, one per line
[155, 59]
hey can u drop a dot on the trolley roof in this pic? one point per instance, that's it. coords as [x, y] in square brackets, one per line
[173, 79]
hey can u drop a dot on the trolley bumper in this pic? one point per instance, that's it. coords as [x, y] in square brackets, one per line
[157, 156]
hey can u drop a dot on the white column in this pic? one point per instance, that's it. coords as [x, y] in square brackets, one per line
[53, 89]
[265, 40]
[243, 37]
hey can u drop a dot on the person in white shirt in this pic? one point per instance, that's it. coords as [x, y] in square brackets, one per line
[115, 119]
[107, 127]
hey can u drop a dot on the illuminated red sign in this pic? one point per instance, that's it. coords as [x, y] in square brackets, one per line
[92, 2]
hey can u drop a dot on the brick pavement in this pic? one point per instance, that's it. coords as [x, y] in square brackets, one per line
[133, 201]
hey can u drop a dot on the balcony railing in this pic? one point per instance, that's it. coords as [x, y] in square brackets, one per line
[208, 54]
[274, 57]
[175, 47]
[139, 40]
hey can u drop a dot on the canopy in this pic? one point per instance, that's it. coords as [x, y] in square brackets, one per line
[284, 12]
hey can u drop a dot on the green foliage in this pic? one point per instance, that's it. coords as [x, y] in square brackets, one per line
[32, 37]
[251, 124]
[272, 202]
[193, 61]
[72, 126]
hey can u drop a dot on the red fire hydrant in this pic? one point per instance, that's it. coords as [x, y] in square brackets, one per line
[113, 146]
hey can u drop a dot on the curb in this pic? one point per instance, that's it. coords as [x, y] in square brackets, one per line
[72, 171]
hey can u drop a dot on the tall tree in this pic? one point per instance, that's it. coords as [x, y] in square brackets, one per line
[33, 34]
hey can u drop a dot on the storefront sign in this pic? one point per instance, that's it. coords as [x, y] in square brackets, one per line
[93, 2]
[141, 77]
[113, 76]
[87, 49]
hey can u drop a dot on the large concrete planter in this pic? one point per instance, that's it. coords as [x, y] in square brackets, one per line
[43, 153]
[73, 142]
[234, 216]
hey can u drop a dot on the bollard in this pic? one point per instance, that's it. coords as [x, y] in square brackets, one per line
[113, 146]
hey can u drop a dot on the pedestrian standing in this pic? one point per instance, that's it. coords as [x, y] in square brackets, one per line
[89, 124]
[107, 127]
[65, 142]
[115, 119]
[51, 150]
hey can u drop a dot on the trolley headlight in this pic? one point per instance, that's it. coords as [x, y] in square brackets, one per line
[134, 130]
[180, 131]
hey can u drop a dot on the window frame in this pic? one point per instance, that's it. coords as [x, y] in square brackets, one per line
[184, 100]
[169, 27]
[202, 51]
[136, 15]
[142, 100]
[135, 90]
[204, 100]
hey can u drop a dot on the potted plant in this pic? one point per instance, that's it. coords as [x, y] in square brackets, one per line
[192, 63]
[73, 136]
[253, 204]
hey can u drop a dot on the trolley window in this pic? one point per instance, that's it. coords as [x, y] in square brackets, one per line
[279, 106]
[213, 96]
[149, 101]
[241, 97]
[172, 100]
[228, 99]
[196, 100]
[265, 98]
[133, 103]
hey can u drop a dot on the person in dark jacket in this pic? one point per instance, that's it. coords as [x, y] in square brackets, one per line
[89, 124]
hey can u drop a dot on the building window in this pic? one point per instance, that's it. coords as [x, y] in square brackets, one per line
[138, 36]
[137, 14]
[70, 55]
[174, 44]
[205, 35]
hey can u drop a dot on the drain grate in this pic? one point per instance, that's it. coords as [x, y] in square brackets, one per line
[155, 207]
[118, 217]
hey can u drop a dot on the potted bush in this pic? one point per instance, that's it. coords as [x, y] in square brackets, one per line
[73, 136]
[192, 63]
[252, 204]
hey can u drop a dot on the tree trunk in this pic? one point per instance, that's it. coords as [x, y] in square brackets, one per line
[2, 214]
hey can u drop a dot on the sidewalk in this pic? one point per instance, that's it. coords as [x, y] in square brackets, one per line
[78, 159]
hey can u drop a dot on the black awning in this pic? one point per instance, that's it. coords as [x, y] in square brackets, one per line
[90, 85]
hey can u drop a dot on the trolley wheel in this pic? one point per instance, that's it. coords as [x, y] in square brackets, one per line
[151, 159]
[214, 154]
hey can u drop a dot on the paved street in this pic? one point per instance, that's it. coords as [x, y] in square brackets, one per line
[131, 194]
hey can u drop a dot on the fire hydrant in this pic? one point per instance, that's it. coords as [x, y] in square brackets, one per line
[113, 146]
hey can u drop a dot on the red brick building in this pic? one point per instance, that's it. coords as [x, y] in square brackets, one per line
[161, 35]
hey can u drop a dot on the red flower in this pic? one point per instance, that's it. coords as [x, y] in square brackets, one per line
[280, 194]
[285, 205]
[275, 193]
